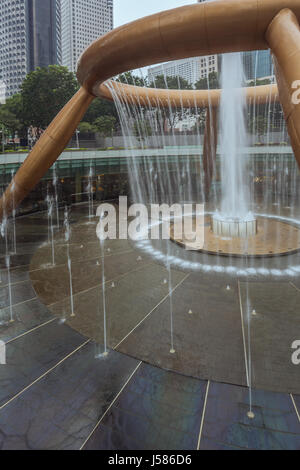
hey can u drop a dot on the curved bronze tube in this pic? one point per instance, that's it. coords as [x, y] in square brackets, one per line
[180, 98]
[202, 29]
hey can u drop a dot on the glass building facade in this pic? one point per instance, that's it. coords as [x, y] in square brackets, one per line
[258, 64]
[29, 37]
[83, 21]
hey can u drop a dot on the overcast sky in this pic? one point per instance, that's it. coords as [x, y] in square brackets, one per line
[129, 10]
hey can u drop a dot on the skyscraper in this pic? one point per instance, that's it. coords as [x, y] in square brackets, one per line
[29, 37]
[83, 21]
[258, 64]
[191, 69]
[44, 33]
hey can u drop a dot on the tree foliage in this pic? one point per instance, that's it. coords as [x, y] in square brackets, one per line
[172, 83]
[259, 82]
[142, 129]
[45, 92]
[105, 125]
[130, 79]
[11, 116]
[211, 82]
[100, 108]
[86, 127]
[8, 121]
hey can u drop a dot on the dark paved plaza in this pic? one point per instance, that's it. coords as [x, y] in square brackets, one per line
[59, 392]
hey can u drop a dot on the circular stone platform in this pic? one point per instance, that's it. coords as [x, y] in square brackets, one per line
[273, 238]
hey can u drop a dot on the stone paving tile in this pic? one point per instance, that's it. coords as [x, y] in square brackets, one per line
[53, 284]
[132, 298]
[272, 332]
[226, 424]
[31, 355]
[297, 404]
[26, 316]
[61, 410]
[17, 260]
[208, 342]
[157, 410]
[16, 275]
[21, 292]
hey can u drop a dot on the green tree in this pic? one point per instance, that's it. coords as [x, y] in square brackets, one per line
[86, 128]
[131, 79]
[100, 108]
[105, 125]
[212, 82]
[259, 126]
[9, 124]
[259, 82]
[142, 129]
[172, 83]
[8, 120]
[44, 93]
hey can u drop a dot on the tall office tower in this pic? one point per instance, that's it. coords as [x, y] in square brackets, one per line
[83, 21]
[258, 65]
[44, 27]
[29, 37]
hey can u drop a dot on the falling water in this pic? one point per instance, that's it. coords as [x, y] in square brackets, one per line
[105, 353]
[50, 226]
[102, 254]
[7, 261]
[14, 215]
[55, 183]
[91, 194]
[67, 239]
[4, 234]
[235, 197]
[47, 200]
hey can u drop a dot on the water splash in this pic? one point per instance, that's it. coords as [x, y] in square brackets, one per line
[50, 204]
[90, 191]
[67, 239]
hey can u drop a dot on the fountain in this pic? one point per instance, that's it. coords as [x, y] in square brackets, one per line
[168, 178]
[50, 204]
[90, 191]
[67, 240]
[234, 218]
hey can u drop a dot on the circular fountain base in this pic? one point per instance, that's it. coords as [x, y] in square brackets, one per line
[234, 227]
[270, 237]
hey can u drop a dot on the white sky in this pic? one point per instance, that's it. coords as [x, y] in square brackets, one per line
[129, 10]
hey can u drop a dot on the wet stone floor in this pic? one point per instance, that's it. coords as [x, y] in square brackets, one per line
[58, 391]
